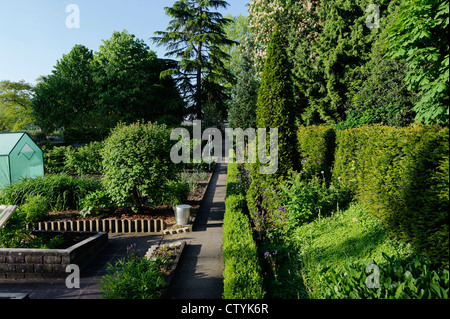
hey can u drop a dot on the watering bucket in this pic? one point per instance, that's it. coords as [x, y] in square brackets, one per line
[182, 214]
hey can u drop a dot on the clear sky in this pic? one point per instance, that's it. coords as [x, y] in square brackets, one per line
[34, 34]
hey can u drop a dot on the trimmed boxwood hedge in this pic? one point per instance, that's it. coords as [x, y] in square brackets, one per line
[242, 274]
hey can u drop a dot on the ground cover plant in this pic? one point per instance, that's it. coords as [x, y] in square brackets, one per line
[136, 277]
[334, 254]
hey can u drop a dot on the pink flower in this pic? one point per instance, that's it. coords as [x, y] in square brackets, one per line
[354, 219]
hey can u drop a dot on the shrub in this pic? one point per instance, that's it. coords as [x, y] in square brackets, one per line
[306, 200]
[64, 192]
[283, 207]
[14, 233]
[399, 175]
[133, 277]
[84, 160]
[95, 203]
[274, 109]
[239, 179]
[69, 159]
[242, 273]
[176, 193]
[54, 159]
[137, 165]
[36, 208]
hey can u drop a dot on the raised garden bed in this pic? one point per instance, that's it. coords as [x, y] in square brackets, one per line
[125, 221]
[175, 252]
[33, 263]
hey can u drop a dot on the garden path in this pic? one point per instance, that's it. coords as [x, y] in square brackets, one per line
[200, 272]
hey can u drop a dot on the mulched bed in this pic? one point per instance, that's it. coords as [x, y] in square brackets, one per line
[164, 212]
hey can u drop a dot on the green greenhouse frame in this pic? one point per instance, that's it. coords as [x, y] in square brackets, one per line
[20, 157]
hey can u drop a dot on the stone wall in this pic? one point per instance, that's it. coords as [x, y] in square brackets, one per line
[24, 263]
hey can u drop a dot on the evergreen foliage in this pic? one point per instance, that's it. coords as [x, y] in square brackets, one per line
[194, 37]
[274, 109]
[242, 111]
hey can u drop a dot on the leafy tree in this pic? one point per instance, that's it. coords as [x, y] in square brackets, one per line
[263, 17]
[126, 76]
[379, 94]
[419, 36]
[92, 92]
[65, 96]
[194, 37]
[15, 105]
[239, 32]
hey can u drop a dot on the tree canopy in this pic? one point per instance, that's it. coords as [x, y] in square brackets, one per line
[15, 106]
[119, 83]
[195, 37]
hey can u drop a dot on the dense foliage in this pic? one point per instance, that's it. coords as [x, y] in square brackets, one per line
[82, 160]
[426, 52]
[91, 92]
[274, 110]
[63, 192]
[354, 64]
[196, 37]
[136, 277]
[15, 106]
[242, 110]
[399, 174]
[137, 167]
[242, 273]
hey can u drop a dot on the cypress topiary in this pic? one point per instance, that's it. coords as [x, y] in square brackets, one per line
[274, 109]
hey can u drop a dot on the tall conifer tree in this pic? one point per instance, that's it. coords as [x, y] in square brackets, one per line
[194, 37]
[275, 104]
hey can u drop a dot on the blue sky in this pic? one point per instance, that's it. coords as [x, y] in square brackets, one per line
[34, 35]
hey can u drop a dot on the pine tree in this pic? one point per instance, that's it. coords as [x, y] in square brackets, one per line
[194, 37]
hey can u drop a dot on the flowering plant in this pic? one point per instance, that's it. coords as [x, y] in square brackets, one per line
[272, 260]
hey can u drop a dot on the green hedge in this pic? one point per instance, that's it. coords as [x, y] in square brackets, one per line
[242, 273]
[316, 144]
[399, 174]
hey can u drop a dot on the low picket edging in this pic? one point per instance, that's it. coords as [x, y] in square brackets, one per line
[112, 226]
